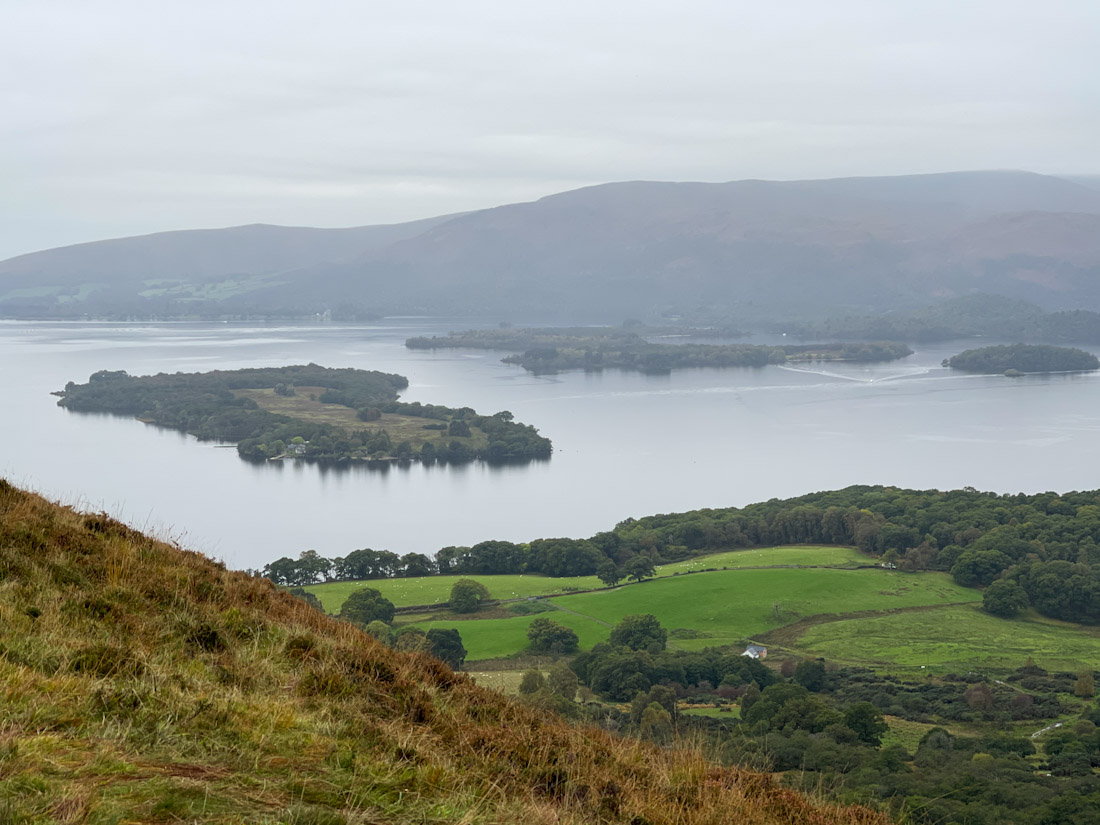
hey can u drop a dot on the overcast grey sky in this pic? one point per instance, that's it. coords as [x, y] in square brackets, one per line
[122, 118]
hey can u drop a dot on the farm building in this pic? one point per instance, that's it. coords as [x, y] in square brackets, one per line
[756, 652]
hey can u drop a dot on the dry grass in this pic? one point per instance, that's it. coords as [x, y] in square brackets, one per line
[400, 427]
[143, 683]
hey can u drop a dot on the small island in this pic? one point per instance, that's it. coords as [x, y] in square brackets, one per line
[546, 351]
[309, 412]
[1018, 359]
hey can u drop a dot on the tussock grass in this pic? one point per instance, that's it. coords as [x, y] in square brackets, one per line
[140, 682]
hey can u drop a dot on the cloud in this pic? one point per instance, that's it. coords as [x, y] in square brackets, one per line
[126, 117]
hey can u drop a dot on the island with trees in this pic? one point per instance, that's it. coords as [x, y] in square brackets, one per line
[1018, 359]
[309, 412]
[544, 351]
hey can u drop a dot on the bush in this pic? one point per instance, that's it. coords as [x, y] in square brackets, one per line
[547, 636]
[467, 596]
[367, 605]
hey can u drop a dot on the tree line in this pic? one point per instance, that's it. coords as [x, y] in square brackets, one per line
[1047, 545]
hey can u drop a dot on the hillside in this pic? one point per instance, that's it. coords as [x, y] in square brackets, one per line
[743, 250]
[144, 683]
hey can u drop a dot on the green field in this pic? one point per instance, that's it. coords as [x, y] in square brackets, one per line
[435, 589]
[954, 638]
[727, 606]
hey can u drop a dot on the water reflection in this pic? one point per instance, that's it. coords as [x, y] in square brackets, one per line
[625, 444]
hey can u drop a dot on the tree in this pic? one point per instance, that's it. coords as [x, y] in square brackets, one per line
[656, 723]
[411, 640]
[639, 568]
[313, 567]
[459, 428]
[608, 572]
[1085, 686]
[639, 632]
[547, 636]
[1005, 598]
[532, 682]
[563, 557]
[750, 697]
[811, 674]
[563, 681]
[416, 564]
[381, 631]
[467, 596]
[979, 696]
[307, 597]
[446, 645]
[975, 568]
[365, 606]
[866, 720]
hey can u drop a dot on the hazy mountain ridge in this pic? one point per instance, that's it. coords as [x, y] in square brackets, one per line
[739, 248]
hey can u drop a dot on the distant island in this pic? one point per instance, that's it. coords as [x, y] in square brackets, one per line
[1019, 359]
[308, 412]
[594, 348]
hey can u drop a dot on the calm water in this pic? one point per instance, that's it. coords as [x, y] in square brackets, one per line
[625, 444]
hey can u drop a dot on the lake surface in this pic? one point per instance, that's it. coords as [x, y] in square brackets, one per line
[625, 444]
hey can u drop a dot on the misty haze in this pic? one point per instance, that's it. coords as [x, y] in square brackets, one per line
[614, 414]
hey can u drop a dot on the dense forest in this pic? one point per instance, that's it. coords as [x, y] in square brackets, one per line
[1039, 550]
[1022, 358]
[298, 423]
[553, 350]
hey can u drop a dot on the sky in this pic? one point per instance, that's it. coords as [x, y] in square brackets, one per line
[122, 118]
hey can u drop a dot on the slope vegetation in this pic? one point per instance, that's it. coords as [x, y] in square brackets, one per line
[143, 683]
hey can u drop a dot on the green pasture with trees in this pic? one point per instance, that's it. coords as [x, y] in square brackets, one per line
[427, 590]
[720, 608]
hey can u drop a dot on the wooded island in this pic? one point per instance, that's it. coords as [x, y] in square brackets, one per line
[309, 412]
[553, 350]
[1018, 359]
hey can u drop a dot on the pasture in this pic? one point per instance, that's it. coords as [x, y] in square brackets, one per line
[956, 638]
[436, 589]
[725, 607]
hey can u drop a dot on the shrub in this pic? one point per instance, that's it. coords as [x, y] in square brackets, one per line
[467, 596]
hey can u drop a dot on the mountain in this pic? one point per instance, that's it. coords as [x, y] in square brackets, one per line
[744, 249]
[192, 266]
[145, 683]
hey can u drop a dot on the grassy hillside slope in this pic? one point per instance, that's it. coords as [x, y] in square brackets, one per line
[143, 683]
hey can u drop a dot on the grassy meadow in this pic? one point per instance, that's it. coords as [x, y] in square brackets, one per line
[436, 589]
[725, 606]
[955, 638]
